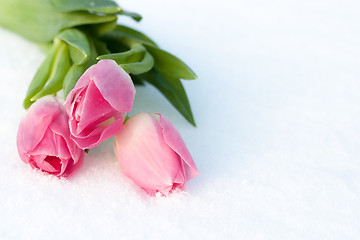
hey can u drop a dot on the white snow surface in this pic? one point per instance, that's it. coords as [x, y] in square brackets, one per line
[277, 106]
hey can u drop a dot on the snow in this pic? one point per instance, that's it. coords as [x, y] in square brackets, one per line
[277, 142]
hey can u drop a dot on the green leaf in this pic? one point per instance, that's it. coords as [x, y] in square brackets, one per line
[173, 90]
[135, 54]
[121, 32]
[145, 65]
[102, 28]
[46, 47]
[40, 21]
[77, 56]
[41, 76]
[79, 46]
[169, 64]
[137, 80]
[137, 17]
[59, 69]
[164, 61]
[114, 44]
[73, 19]
[136, 60]
[101, 47]
[122, 57]
[76, 70]
[98, 6]
[73, 76]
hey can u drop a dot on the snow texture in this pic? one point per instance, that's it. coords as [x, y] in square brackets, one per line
[277, 143]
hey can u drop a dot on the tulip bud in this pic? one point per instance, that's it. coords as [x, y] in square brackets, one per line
[44, 141]
[153, 154]
[98, 103]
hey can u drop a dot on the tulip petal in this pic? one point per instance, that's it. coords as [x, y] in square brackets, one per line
[62, 148]
[98, 104]
[39, 115]
[33, 164]
[144, 155]
[81, 84]
[61, 136]
[66, 147]
[46, 145]
[180, 179]
[94, 106]
[114, 84]
[99, 134]
[54, 164]
[174, 140]
[50, 164]
[64, 164]
[44, 139]
[74, 166]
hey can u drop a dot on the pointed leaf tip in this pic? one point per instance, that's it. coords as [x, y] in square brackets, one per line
[173, 90]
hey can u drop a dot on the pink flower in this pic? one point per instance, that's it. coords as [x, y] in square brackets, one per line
[44, 142]
[153, 154]
[98, 103]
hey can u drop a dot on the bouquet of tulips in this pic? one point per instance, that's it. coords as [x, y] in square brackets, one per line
[84, 90]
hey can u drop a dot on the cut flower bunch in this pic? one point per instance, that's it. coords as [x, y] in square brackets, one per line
[96, 63]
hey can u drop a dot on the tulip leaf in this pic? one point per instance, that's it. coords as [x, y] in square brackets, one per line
[72, 77]
[172, 89]
[74, 19]
[41, 76]
[39, 21]
[77, 56]
[102, 28]
[59, 69]
[166, 62]
[137, 17]
[114, 44]
[122, 57]
[135, 54]
[79, 46]
[145, 65]
[101, 47]
[137, 80]
[76, 70]
[98, 6]
[121, 32]
[46, 47]
[136, 60]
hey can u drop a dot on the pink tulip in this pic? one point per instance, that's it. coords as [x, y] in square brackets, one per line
[44, 142]
[98, 103]
[153, 154]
